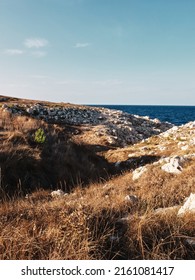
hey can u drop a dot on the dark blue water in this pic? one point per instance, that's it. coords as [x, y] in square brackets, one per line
[174, 114]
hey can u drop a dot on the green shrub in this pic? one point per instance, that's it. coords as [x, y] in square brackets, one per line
[40, 136]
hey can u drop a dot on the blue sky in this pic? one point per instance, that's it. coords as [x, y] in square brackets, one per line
[98, 51]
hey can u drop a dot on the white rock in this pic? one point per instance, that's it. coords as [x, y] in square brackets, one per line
[192, 141]
[163, 160]
[58, 193]
[146, 117]
[190, 124]
[184, 148]
[175, 159]
[166, 134]
[156, 120]
[174, 165]
[138, 172]
[174, 128]
[132, 155]
[131, 198]
[189, 205]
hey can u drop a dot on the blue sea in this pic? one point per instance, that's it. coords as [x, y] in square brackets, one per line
[177, 115]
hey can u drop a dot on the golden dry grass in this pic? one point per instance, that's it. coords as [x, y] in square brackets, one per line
[94, 220]
[82, 224]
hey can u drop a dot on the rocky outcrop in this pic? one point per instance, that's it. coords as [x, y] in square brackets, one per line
[174, 164]
[116, 127]
[183, 135]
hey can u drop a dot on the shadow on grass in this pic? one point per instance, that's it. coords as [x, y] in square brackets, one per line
[57, 164]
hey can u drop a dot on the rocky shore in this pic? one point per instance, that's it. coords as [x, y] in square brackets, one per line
[114, 127]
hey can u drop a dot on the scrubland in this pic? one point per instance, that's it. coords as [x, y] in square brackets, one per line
[95, 219]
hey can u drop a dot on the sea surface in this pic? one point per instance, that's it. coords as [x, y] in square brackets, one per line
[177, 115]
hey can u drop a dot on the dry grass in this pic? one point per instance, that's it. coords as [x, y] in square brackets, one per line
[86, 224]
[59, 162]
[94, 221]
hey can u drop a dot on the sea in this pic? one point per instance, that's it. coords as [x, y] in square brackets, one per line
[177, 115]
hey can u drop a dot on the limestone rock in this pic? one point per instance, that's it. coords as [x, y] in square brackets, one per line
[189, 205]
[174, 165]
[138, 172]
[58, 193]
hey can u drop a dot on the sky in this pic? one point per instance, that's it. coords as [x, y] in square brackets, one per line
[136, 52]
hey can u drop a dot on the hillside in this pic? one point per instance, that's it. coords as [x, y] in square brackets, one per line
[121, 179]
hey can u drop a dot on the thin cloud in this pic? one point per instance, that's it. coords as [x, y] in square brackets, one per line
[81, 45]
[13, 52]
[35, 43]
[38, 54]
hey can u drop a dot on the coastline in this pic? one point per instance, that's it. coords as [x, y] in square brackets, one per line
[94, 183]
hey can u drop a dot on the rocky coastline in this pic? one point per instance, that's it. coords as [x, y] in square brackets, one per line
[121, 182]
[116, 127]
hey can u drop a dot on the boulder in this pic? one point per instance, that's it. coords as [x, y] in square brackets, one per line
[174, 165]
[189, 205]
[58, 193]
